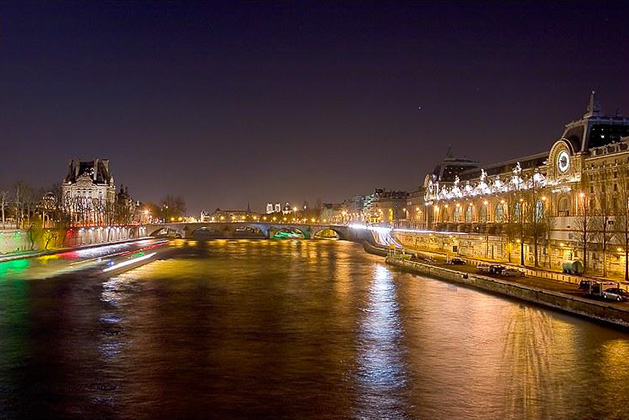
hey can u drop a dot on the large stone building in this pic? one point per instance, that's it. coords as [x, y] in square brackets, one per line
[385, 207]
[89, 192]
[566, 203]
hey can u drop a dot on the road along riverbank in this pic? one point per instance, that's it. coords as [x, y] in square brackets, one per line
[609, 313]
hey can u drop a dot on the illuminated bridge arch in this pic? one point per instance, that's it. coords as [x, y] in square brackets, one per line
[166, 232]
[247, 230]
[206, 232]
[319, 230]
[286, 232]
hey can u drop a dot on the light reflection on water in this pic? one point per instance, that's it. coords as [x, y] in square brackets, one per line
[381, 371]
[296, 329]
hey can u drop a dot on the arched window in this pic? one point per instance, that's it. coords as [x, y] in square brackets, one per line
[517, 211]
[468, 214]
[539, 211]
[457, 214]
[483, 214]
[564, 206]
[499, 216]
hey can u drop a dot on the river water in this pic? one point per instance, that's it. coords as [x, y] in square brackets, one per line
[295, 330]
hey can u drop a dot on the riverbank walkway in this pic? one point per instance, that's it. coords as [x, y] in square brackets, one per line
[566, 284]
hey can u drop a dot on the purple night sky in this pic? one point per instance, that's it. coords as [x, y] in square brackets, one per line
[227, 103]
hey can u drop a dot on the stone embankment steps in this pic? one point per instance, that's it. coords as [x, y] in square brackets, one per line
[600, 311]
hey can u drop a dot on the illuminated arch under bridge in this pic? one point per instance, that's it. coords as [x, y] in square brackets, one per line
[227, 230]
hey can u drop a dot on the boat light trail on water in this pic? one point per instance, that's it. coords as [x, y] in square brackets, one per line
[125, 263]
[387, 230]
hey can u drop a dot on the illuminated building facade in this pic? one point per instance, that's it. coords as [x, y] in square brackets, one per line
[385, 207]
[89, 192]
[569, 202]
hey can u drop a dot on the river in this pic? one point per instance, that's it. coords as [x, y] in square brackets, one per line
[292, 329]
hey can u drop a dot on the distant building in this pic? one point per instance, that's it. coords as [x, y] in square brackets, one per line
[269, 208]
[89, 192]
[386, 207]
[416, 206]
[126, 208]
[353, 207]
[331, 213]
[219, 215]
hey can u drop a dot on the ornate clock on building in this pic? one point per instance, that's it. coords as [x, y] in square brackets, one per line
[563, 161]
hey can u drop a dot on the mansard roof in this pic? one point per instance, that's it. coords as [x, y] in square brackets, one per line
[97, 170]
[592, 132]
[451, 166]
[526, 162]
[595, 128]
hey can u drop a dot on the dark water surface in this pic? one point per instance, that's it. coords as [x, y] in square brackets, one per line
[296, 330]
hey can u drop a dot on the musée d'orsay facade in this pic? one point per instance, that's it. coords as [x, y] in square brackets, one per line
[547, 204]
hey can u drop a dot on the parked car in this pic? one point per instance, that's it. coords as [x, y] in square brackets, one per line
[483, 268]
[512, 272]
[496, 268]
[585, 285]
[616, 293]
[457, 261]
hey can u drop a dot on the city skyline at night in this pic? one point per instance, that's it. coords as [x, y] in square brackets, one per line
[229, 103]
[314, 210]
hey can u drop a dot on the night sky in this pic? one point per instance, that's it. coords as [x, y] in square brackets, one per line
[227, 103]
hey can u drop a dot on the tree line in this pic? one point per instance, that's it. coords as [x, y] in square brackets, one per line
[23, 206]
[599, 221]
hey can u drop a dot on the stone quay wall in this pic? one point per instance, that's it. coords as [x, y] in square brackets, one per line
[599, 311]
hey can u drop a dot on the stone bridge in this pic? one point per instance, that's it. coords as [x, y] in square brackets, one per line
[226, 230]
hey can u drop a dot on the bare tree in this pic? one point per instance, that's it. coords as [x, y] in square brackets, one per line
[4, 201]
[172, 207]
[18, 203]
[535, 216]
[24, 203]
[515, 227]
[602, 213]
[584, 224]
[124, 210]
[621, 213]
[58, 213]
